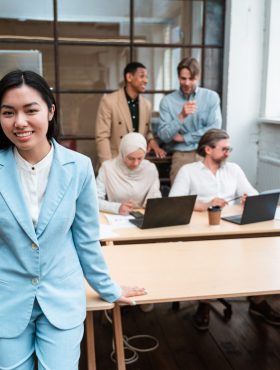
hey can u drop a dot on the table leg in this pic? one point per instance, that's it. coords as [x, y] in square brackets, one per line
[118, 337]
[90, 345]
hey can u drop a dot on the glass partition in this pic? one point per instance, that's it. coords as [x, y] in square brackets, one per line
[169, 22]
[94, 20]
[82, 47]
[102, 67]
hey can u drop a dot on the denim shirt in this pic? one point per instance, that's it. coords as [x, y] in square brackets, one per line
[207, 116]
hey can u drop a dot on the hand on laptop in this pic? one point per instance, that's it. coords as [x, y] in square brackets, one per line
[127, 207]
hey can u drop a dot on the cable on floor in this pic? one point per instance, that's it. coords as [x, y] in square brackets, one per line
[128, 347]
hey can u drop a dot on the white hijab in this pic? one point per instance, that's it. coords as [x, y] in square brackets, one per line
[123, 184]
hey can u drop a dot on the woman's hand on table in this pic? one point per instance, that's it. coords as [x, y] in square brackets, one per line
[128, 292]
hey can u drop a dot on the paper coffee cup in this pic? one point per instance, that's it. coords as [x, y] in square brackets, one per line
[214, 215]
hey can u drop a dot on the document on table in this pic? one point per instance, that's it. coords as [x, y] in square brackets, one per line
[118, 221]
[106, 232]
[277, 214]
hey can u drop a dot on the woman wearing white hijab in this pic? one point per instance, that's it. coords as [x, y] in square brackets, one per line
[127, 181]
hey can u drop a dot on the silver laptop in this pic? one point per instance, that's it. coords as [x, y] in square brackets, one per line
[168, 211]
[257, 208]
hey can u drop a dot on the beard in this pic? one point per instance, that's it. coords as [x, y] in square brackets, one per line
[187, 90]
[219, 161]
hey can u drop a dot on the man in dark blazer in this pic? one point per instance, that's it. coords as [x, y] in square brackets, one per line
[124, 111]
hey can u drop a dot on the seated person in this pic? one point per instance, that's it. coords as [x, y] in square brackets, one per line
[215, 182]
[127, 181]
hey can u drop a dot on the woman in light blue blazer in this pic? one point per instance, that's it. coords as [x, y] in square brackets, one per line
[48, 233]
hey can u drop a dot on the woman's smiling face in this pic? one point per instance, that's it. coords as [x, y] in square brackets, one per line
[24, 118]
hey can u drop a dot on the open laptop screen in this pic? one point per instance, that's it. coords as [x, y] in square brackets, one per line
[168, 211]
[257, 208]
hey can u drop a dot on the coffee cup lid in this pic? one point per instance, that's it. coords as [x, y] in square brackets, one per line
[214, 209]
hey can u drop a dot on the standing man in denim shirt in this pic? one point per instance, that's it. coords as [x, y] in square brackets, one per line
[186, 114]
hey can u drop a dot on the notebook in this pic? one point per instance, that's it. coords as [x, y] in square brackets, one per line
[257, 208]
[168, 211]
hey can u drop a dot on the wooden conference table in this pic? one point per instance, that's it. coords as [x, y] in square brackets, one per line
[181, 271]
[197, 229]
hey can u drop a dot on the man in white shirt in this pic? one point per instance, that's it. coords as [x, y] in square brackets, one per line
[216, 182]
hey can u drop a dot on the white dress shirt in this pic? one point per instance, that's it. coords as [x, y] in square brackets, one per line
[195, 178]
[34, 180]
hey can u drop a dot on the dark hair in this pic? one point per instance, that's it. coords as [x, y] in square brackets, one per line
[210, 138]
[191, 64]
[131, 68]
[38, 83]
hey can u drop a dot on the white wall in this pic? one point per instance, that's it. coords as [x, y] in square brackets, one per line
[268, 174]
[243, 66]
[271, 106]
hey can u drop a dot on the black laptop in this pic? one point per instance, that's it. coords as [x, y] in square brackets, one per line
[168, 211]
[257, 208]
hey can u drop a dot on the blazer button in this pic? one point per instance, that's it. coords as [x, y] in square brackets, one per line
[35, 281]
[34, 246]
[120, 123]
[121, 137]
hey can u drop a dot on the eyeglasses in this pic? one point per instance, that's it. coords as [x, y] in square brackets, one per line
[225, 149]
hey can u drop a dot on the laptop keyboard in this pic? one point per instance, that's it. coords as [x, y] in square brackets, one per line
[137, 221]
[236, 218]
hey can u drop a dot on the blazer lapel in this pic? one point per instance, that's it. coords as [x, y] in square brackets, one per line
[123, 107]
[59, 180]
[12, 193]
[145, 116]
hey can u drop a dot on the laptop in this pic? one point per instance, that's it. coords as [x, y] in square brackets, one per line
[257, 208]
[168, 211]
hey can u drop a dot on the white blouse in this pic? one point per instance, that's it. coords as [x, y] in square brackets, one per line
[34, 180]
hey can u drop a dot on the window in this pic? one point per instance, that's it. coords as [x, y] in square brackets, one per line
[85, 44]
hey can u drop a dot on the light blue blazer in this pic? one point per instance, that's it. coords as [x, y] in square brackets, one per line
[50, 262]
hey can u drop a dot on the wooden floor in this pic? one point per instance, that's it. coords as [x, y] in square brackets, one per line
[243, 343]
